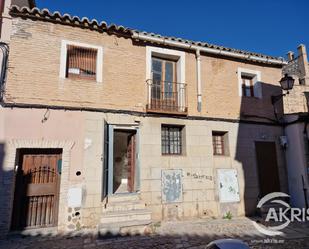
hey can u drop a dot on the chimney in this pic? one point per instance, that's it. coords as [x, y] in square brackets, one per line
[290, 55]
[303, 64]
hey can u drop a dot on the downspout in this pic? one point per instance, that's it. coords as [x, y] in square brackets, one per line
[5, 54]
[198, 50]
[198, 78]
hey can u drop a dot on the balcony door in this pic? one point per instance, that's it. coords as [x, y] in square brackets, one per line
[164, 87]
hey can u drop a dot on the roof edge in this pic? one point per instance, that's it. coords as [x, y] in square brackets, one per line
[220, 51]
[84, 22]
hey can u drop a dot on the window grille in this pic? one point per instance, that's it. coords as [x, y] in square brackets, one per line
[171, 139]
[218, 143]
[81, 62]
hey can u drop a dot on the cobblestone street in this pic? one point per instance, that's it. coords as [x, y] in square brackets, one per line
[186, 234]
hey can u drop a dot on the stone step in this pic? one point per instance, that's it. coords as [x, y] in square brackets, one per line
[276, 206]
[263, 211]
[114, 229]
[125, 216]
[123, 198]
[123, 206]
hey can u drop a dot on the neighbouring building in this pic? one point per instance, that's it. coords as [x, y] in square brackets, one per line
[5, 18]
[295, 120]
[107, 127]
[6, 24]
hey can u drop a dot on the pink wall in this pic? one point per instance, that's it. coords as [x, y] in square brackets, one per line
[61, 125]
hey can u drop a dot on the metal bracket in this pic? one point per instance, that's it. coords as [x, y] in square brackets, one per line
[276, 98]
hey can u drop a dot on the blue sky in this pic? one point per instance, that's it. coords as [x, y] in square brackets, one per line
[271, 27]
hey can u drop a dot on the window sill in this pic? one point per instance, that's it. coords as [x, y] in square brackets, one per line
[81, 77]
[247, 97]
[173, 155]
[220, 156]
[81, 80]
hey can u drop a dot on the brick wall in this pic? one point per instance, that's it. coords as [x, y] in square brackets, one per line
[34, 74]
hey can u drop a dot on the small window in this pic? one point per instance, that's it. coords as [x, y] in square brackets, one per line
[220, 143]
[81, 62]
[171, 140]
[249, 83]
[247, 86]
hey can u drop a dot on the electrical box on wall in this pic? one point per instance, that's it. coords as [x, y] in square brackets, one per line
[228, 185]
[75, 197]
[171, 185]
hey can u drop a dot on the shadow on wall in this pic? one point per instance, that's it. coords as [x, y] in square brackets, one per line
[257, 148]
[6, 179]
[307, 99]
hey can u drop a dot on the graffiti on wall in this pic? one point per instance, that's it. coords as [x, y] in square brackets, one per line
[199, 176]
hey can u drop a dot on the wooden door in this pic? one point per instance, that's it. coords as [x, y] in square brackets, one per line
[267, 167]
[37, 191]
[131, 152]
[164, 93]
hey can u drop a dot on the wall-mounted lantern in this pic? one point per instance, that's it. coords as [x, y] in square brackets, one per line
[286, 83]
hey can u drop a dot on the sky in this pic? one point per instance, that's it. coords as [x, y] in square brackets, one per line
[271, 27]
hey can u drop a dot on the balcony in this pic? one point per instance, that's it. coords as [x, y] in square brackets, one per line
[167, 97]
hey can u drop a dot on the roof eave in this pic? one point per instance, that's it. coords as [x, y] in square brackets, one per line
[66, 19]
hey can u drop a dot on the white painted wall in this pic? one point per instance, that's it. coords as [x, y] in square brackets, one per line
[296, 163]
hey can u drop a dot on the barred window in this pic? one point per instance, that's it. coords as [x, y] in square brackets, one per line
[219, 142]
[171, 140]
[81, 62]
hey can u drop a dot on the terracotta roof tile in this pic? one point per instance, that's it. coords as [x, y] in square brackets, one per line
[56, 16]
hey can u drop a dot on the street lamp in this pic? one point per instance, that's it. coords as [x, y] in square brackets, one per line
[286, 83]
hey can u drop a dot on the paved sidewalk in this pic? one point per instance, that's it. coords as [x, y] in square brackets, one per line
[193, 234]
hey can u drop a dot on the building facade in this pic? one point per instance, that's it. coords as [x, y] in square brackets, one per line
[295, 120]
[107, 127]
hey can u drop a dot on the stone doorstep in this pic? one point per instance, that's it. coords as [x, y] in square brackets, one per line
[276, 206]
[123, 206]
[127, 227]
[265, 208]
[46, 231]
[263, 211]
[123, 216]
[131, 197]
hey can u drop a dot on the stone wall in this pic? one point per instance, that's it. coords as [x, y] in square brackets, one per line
[198, 165]
[297, 101]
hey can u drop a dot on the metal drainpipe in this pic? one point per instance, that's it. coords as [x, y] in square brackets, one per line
[198, 78]
[198, 49]
[5, 51]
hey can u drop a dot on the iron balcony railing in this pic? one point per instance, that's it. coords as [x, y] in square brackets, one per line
[167, 97]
